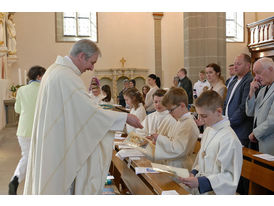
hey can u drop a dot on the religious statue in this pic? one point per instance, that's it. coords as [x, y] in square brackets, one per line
[2, 17]
[11, 34]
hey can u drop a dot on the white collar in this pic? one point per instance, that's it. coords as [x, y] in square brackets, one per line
[66, 61]
[220, 124]
[185, 116]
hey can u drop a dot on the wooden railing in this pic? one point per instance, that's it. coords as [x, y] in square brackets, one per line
[261, 38]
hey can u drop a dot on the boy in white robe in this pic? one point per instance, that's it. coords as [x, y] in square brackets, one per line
[218, 165]
[174, 144]
[151, 124]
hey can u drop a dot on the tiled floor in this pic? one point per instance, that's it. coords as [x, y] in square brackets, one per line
[9, 157]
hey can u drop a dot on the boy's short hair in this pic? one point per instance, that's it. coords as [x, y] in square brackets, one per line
[202, 71]
[159, 93]
[175, 96]
[209, 99]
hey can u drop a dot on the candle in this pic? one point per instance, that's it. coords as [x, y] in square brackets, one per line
[25, 77]
[19, 76]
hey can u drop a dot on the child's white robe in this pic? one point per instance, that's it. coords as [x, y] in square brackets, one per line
[220, 158]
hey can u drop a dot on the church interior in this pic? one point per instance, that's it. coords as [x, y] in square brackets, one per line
[132, 45]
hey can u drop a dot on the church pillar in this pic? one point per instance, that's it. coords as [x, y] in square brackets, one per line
[204, 41]
[114, 86]
[157, 16]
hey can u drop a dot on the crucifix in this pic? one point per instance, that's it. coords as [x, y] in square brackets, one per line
[123, 62]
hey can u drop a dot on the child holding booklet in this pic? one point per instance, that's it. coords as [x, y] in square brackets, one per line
[218, 165]
[174, 144]
[151, 123]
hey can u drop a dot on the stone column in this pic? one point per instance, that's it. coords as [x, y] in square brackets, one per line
[157, 16]
[204, 41]
[114, 86]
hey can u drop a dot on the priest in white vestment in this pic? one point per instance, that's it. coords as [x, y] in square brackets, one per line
[174, 144]
[217, 168]
[71, 146]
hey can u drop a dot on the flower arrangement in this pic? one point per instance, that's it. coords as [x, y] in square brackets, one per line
[14, 89]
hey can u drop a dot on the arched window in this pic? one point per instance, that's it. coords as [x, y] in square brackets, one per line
[73, 26]
[234, 26]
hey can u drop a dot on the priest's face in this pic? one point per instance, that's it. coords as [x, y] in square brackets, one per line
[88, 63]
[207, 116]
[157, 104]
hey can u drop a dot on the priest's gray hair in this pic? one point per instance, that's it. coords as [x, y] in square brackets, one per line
[266, 62]
[88, 47]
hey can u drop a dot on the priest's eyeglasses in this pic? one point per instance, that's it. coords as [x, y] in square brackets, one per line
[171, 110]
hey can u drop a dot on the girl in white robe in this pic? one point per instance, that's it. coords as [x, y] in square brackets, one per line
[218, 165]
[135, 101]
[174, 143]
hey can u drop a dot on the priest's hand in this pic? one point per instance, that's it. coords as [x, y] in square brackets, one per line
[191, 182]
[133, 121]
[252, 138]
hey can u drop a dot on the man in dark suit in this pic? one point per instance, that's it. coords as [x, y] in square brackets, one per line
[186, 84]
[234, 105]
[231, 70]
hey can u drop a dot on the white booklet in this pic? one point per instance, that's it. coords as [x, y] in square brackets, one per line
[170, 192]
[267, 157]
[174, 171]
[122, 154]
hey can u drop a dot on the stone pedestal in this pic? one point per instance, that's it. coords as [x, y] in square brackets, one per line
[12, 117]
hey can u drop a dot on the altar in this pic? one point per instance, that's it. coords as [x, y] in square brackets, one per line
[114, 77]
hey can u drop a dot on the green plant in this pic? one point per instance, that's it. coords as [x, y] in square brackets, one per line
[14, 88]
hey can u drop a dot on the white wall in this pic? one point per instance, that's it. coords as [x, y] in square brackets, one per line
[172, 45]
[128, 34]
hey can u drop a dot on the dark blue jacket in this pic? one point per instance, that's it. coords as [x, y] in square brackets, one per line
[240, 122]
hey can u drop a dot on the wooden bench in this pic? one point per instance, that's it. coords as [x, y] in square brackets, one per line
[142, 184]
[259, 172]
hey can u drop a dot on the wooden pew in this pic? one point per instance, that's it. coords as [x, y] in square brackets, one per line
[259, 172]
[142, 184]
